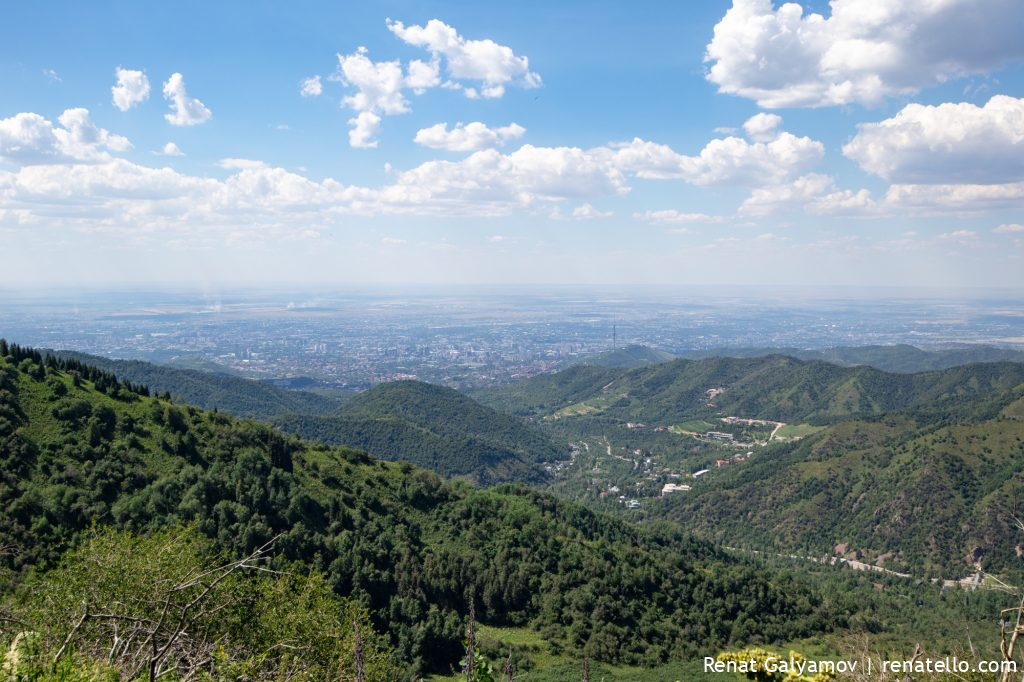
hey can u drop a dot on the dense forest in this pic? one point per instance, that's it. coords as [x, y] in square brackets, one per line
[113, 501]
[920, 472]
[431, 426]
[930, 497]
[234, 395]
[772, 387]
[82, 450]
[902, 358]
[434, 427]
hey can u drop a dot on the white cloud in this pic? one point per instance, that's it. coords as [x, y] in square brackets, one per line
[844, 202]
[948, 143]
[493, 65]
[171, 149]
[378, 85]
[466, 138]
[788, 196]
[28, 138]
[959, 236]
[490, 182]
[185, 110]
[364, 129]
[588, 212]
[728, 161]
[132, 88]
[392, 241]
[380, 90]
[311, 87]
[763, 127]
[1009, 228]
[422, 75]
[864, 51]
[673, 217]
[958, 198]
[52, 76]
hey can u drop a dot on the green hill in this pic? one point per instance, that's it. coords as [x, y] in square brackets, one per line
[772, 387]
[434, 427]
[629, 357]
[924, 496]
[235, 395]
[78, 448]
[920, 471]
[901, 358]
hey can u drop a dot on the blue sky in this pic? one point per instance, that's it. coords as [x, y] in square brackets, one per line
[880, 142]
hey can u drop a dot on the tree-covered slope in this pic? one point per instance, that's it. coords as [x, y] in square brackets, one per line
[924, 496]
[772, 387]
[235, 395]
[629, 357]
[79, 449]
[435, 427]
[902, 358]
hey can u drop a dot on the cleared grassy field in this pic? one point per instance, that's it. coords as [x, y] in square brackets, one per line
[797, 430]
[695, 426]
[545, 666]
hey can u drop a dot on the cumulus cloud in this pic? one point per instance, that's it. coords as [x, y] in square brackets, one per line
[311, 87]
[1009, 228]
[494, 66]
[28, 138]
[378, 85]
[844, 202]
[762, 127]
[379, 91]
[727, 161]
[422, 75]
[788, 196]
[171, 149]
[948, 143]
[381, 87]
[467, 138]
[132, 88]
[958, 198]
[364, 129]
[864, 51]
[185, 110]
[588, 212]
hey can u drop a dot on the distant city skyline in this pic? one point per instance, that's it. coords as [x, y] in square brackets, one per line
[858, 142]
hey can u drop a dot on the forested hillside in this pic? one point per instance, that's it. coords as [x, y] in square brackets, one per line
[431, 426]
[629, 357]
[927, 497]
[81, 449]
[773, 387]
[235, 395]
[434, 427]
[917, 472]
[902, 358]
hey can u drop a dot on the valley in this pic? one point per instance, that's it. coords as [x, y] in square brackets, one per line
[654, 490]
